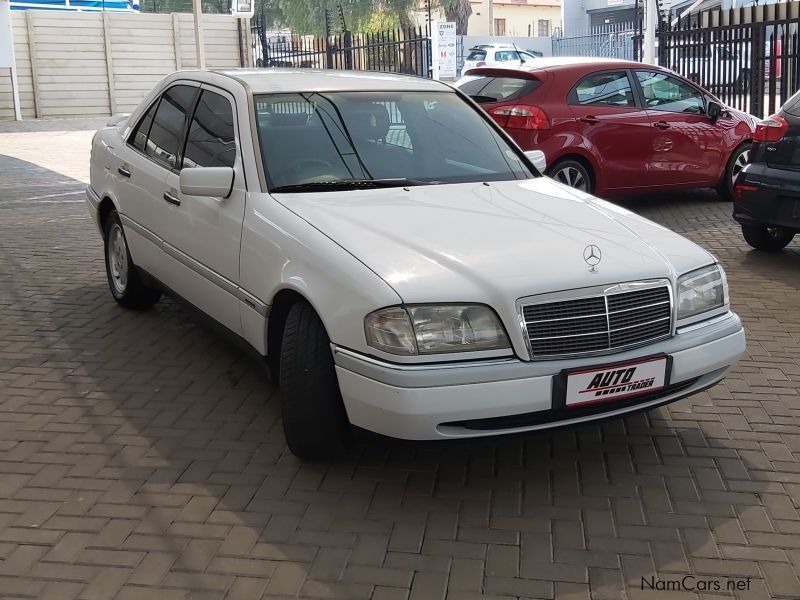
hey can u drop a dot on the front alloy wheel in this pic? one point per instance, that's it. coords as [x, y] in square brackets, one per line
[736, 163]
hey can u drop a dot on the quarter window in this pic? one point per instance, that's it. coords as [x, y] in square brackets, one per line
[669, 94]
[610, 88]
[211, 141]
[139, 136]
[169, 123]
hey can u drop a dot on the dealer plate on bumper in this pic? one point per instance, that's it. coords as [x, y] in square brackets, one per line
[617, 382]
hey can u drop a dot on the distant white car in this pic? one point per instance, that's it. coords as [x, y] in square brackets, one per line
[399, 262]
[488, 55]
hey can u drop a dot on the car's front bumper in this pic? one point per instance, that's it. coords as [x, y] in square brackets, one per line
[468, 399]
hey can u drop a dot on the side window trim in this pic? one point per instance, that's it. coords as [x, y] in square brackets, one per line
[184, 133]
[572, 95]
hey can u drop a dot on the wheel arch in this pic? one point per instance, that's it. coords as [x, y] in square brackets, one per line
[281, 304]
[107, 205]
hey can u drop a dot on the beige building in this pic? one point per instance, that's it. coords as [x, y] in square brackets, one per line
[522, 18]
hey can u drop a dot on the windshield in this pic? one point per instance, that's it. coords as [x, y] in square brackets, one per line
[420, 137]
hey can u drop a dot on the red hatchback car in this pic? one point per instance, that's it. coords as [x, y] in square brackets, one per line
[612, 127]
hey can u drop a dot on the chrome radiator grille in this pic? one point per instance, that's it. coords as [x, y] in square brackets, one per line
[598, 323]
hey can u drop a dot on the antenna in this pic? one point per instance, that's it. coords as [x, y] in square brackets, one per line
[519, 54]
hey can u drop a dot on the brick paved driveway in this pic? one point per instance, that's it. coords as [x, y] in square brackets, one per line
[142, 457]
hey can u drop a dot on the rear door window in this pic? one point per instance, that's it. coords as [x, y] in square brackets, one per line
[608, 88]
[484, 89]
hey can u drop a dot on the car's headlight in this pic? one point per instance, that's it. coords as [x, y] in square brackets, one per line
[701, 290]
[426, 329]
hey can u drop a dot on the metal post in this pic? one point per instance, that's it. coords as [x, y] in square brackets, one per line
[428, 2]
[636, 41]
[328, 49]
[197, 10]
[649, 45]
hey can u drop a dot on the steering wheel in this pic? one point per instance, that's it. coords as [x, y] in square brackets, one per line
[311, 162]
[309, 170]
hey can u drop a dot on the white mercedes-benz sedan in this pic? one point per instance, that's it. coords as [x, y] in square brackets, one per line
[399, 262]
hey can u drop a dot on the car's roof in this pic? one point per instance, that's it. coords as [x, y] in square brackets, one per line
[264, 81]
[566, 62]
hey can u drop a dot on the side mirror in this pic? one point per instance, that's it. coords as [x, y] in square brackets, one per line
[212, 182]
[713, 110]
[538, 159]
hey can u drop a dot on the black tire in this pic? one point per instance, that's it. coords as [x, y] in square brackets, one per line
[769, 239]
[130, 292]
[564, 170]
[732, 169]
[314, 419]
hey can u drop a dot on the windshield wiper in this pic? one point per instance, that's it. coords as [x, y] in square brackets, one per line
[350, 184]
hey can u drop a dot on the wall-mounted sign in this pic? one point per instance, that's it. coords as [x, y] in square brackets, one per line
[243, 9]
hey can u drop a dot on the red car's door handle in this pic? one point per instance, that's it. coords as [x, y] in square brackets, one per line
[661, 124]
[589, 120]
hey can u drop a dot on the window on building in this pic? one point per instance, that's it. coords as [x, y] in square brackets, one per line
[544, 28]
[499, 26]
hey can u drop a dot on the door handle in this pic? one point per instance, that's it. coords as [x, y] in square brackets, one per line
[589, 120]
[124, 172]
[172, 199]
[661, 124]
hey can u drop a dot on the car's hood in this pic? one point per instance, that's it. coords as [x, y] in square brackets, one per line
[486, 242]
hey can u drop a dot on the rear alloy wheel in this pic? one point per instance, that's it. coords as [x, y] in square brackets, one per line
[770, 239]
[573, 174]
[736, 163]
[125, 283]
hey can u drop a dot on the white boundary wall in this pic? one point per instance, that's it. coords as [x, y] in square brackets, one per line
[74, 64]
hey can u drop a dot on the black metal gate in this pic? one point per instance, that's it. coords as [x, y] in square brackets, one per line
[395, 50]
[748, 57]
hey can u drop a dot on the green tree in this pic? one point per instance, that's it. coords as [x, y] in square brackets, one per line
[459, 12]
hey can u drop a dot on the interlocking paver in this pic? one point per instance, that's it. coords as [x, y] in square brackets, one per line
[142, 457]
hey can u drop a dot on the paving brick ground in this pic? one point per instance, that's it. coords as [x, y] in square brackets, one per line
[141, 457]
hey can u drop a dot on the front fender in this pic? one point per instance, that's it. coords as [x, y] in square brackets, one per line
[282, 251]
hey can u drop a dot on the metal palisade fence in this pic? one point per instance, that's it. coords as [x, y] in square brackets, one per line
[607, 41]
[393, 50]
[747, 57]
